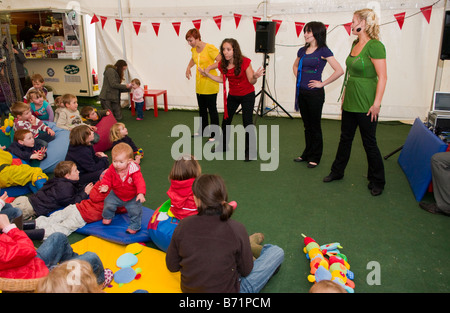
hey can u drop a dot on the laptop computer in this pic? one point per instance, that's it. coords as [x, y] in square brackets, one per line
[441, 102]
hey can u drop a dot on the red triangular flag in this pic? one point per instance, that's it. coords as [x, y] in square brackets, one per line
[400, 17]
[218, 20]
[299, 27]
[137, 26]
[326, 26]
[426, 11]
[277, 27]
[176, 26]
[348, 27]
[237, 19]
[118, 24]
[255, 20]
[197, 23]
[156, 28]
[94, 19]
[103, 20]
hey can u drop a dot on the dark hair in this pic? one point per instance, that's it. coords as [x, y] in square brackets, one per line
[237, 56]
[213, 196]
[120, 64]
[319, 32]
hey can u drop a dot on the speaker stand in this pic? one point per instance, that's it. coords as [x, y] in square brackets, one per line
[263, 92]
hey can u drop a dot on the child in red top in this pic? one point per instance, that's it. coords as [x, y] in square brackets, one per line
[184, 171]
[241, 77]
[127, 185]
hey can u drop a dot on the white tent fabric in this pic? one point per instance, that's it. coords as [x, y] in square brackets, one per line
[160, 61]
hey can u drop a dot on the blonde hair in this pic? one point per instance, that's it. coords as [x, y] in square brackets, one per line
[74, 276]
[34, 92]
[114, 133]
[372, 24]
[185, 167]
[19, 107]
[122, 148]
[58, 102]
[327, 286]
[65, 99]
[136, 81]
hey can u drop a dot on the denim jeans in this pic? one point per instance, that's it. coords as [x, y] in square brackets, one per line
[263, 268]
[134, 209]
[140, 109]
[56, 249]
[11, 211]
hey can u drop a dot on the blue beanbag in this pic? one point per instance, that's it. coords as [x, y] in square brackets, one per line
[56, 150]
[116, 231]
[415, 157]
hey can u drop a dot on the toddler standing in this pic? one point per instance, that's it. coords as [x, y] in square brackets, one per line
[138, 98]
[127, 185]
[118, 134]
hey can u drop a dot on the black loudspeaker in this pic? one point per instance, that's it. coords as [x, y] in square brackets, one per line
[265, 37]
[445, 45]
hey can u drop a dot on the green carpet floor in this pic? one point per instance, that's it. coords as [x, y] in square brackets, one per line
[387, 238]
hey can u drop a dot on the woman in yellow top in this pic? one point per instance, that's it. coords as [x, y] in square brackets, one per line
[204, 55]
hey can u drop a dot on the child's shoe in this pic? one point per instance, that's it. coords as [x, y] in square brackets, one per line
[138, 119]
[131, 231]
[106, 221]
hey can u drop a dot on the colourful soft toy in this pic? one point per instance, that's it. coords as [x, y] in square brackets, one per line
[336, 268]
[8, 125]
[139, 152]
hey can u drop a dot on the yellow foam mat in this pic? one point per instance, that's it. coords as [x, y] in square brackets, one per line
[155, 277]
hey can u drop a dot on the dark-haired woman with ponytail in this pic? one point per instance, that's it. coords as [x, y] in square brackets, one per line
[213, 252]
[112, 87]
[310, 95]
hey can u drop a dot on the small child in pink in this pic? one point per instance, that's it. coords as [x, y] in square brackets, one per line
[138, 98]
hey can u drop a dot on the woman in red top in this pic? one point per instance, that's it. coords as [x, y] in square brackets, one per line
[238, 70]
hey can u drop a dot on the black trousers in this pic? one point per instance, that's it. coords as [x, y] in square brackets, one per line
[310, 103]
[367, 128]
[207, 105]
[247, 103]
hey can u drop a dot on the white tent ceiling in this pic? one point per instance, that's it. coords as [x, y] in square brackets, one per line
[160, 61]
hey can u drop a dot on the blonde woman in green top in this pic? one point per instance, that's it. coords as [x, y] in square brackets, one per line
[363, 89]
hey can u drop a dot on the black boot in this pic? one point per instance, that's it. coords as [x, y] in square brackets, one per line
[35, 234]
[27, 225]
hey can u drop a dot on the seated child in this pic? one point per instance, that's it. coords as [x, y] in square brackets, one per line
[184, 171]
[26, 120]
[118, 134]
[21, 260]
[58, 192]
[38, 83]
[39, 106]
[25, 148]
[76, 215]
[127, 185]
[69, 117]
[90, 163]
[138, 98]
[58, 108]
[93, 116]
[19, 175]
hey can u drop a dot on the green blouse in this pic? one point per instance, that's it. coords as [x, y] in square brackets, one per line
[361, 77]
